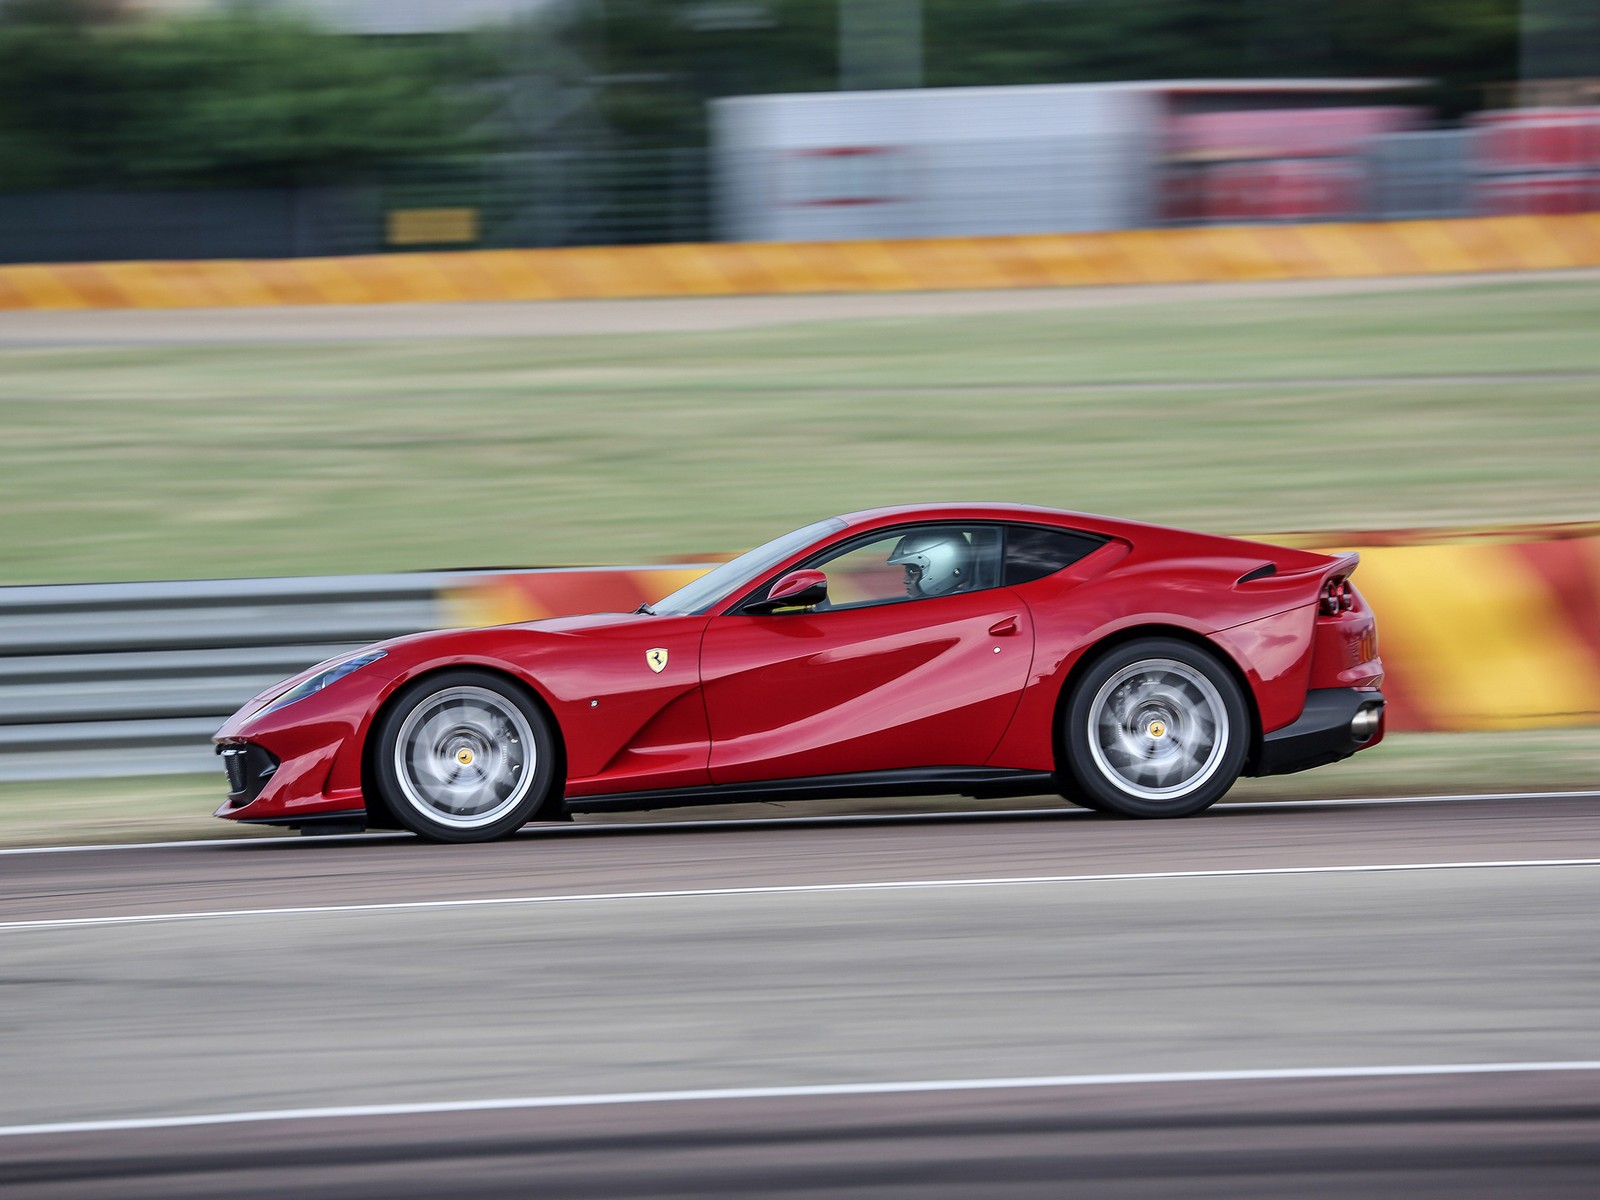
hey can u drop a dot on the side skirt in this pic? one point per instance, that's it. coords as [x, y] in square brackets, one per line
[981, 783]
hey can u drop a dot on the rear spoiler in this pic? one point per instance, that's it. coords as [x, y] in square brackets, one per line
[1334, 566]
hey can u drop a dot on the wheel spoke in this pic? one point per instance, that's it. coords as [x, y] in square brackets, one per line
[1127, 754]
[1140, 694]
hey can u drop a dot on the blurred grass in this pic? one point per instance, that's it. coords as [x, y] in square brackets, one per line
[1327, 412]
[102, 811]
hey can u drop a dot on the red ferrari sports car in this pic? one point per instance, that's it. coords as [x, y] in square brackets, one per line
[982, 650]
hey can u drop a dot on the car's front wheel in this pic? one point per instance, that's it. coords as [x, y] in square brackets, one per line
[1156, 728]
[464, 756]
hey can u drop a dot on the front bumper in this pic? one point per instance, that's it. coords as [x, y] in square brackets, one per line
[300, 761]
[1331, 727]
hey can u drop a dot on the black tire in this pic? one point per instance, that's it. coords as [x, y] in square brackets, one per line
[1155, 728]
[1083, 800]
[1074, 794]
[465, 756]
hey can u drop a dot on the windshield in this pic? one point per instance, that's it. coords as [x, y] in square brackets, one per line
[740, 572]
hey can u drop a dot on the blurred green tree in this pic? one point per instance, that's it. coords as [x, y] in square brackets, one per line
[661, 61]
[241, 97]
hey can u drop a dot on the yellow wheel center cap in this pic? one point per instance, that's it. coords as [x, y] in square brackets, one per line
[1157, 729]
[464, 757]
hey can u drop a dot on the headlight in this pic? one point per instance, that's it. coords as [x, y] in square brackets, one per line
[329, 674]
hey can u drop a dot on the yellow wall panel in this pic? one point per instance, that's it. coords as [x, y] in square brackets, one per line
[1213, 253]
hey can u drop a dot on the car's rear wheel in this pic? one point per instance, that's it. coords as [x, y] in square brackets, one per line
[1156, 728]
[464, 756]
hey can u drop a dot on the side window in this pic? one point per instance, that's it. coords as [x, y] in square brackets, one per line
[1033, 552]
[913, 564]
[862, 574]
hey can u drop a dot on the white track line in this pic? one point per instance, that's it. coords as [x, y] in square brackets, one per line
[797, 1092]
[776, 890]
[802, 819]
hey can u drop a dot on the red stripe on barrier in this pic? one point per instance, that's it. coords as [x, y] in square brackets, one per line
[1571, 575]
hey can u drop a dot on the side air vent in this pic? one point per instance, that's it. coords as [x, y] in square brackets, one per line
[249, 767]
[1261, 572]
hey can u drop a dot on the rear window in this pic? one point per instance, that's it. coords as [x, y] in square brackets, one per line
[1033, 552]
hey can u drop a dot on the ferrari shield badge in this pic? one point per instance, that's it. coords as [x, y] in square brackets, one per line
[657, 659]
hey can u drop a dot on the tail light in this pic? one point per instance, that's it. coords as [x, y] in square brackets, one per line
[1337, 597]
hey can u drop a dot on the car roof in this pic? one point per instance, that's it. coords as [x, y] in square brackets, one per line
[1160, 538]
[1025, 513]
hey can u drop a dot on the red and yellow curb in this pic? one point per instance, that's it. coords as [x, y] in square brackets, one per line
[1190, 255]
[535, 595]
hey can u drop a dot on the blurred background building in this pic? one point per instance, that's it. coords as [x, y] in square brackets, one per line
[271, 128]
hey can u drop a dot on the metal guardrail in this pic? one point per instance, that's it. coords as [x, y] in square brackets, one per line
[132, 679]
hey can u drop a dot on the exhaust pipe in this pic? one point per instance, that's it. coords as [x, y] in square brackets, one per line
[1365, 723]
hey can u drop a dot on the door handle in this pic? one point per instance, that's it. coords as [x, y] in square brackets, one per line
[1006, 628]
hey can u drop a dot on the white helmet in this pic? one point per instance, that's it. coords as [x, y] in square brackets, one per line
[937, 562]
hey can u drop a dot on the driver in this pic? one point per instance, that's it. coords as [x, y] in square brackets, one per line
[937, 562]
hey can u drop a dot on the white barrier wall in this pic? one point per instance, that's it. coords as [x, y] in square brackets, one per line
[936, 162]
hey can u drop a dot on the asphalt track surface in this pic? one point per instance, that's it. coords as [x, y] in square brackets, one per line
[1298, 1000]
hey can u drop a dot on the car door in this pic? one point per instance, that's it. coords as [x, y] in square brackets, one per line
[873, 679]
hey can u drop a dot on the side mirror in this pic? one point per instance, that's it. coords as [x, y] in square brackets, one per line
[797, 589]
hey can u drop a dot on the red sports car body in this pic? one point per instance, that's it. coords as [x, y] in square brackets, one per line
[984, 650]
